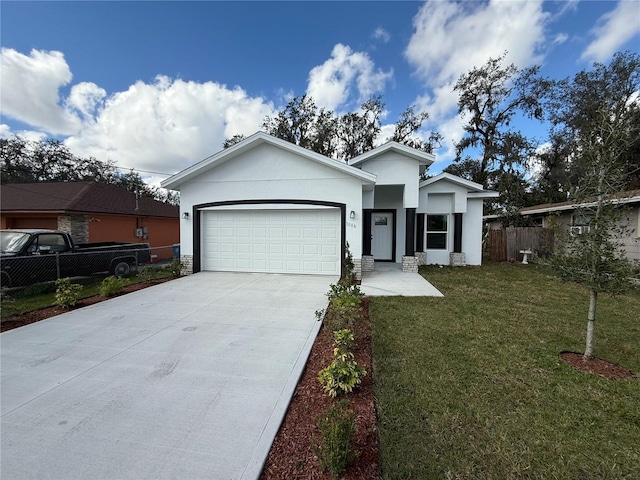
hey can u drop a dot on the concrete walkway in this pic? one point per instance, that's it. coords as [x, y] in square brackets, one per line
[189, 379]
[388, 279]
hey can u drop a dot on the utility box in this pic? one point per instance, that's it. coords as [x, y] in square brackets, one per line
[176, 251]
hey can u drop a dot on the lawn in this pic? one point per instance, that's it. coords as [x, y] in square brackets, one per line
[470, 386]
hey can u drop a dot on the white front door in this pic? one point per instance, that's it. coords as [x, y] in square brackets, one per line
[382, 235]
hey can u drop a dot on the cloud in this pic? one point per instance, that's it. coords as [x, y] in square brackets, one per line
[331, 84]
[168, 124]
[612, 30]
[29, 89]
[450, 38]
[163, 126]
[381, 34]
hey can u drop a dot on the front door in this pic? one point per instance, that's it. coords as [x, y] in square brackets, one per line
[382, 232]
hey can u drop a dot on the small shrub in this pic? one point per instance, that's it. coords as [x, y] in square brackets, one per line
[112, 286]
[343, 374]
[344, 306]
[147, 274]
[7, 305]
[337, 428]
[67, 293]
[349, 275]
[175, 267]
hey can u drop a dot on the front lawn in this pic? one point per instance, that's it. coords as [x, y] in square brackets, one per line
[470, 386]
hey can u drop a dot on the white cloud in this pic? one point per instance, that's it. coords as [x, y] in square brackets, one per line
[168, 125]
[381, 34]
[613, 30]
[162, 126]
[29, 87]
[330, 84]
[450, 38]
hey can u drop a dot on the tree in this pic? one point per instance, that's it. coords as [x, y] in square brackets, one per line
[599, 112]
[50, 160]
[490, 96]
[342, 137]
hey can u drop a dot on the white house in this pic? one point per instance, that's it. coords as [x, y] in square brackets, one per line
[267, 205]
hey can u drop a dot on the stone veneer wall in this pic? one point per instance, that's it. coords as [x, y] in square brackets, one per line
[421, 258]
[75, 225]
[187, 264]
[409, 264]
[357, 268]
[367, 263]
[457, 259]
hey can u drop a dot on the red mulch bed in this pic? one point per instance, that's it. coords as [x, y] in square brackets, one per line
[291, 455]
[598, 366]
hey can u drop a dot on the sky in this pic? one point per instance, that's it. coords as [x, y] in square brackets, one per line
[158, 86]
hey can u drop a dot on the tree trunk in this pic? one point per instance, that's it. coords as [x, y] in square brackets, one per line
[591, 323]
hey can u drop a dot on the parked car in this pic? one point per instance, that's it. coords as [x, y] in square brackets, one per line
[33, 256]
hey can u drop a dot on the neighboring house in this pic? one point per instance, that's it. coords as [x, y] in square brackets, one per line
[565, 215]
[91, 212]
[267, 205]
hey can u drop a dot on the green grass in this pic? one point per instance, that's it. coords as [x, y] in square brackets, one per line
[470, 386]
[18, 301]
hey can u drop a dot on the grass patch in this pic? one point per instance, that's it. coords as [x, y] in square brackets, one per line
[471, 386]
[34, 297]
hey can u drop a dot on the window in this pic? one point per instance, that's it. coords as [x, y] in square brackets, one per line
[437, 232]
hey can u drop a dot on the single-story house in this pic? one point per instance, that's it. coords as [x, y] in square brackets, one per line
[267, 205]
[567, 217]
[91, 212]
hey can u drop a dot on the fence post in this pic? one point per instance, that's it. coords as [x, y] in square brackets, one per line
[57, 265]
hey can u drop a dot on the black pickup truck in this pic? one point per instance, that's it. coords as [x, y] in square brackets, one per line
[34, 256]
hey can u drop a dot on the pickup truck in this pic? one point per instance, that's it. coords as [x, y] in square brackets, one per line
[33, 256]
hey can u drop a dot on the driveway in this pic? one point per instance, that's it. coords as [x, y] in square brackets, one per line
[188, 379]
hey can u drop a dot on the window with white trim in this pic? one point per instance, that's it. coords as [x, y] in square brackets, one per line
[437, 232]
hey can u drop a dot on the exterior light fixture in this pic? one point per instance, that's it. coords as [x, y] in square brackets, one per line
[185, 215]
[352, 214]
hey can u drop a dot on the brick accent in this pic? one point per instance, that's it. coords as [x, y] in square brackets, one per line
[457, 259]
[409, 264]
[357, 268]
[367, 263]
[75, 225]
[187, 264]
[421, 258]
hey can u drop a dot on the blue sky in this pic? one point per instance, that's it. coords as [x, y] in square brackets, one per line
[158, 86]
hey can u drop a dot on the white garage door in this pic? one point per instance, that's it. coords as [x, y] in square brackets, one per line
[274, 241]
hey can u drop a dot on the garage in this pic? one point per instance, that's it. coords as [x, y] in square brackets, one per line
[293, 240]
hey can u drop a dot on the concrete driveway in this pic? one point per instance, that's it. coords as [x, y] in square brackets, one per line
[189, 379]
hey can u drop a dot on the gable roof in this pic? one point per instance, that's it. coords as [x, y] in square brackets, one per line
[423, 157]
[631, 196]
[251, 142]
[80, 197]
[475, 190]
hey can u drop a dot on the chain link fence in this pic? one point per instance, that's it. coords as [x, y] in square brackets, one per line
[45, 267]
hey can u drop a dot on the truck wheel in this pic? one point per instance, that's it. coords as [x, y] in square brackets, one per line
[5, 281]
[121, 269]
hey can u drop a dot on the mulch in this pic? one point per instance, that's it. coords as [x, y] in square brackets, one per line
[597, 366]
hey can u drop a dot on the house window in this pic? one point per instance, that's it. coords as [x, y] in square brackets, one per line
[437, 232]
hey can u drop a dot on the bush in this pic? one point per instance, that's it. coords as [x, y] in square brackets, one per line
[67, 293]
[7, 305]
[112, 286]
[147, 274]
[343, 374]
[344, 306]
[337, 428]
[175, 267]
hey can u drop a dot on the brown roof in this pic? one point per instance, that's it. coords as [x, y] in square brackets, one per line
[629, 195]
[80, 197]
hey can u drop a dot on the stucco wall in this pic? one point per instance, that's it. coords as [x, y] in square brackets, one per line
[268, 172]
[472, 232]
[392, 168]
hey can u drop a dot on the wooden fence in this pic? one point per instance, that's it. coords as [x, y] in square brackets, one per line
[505, 244]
